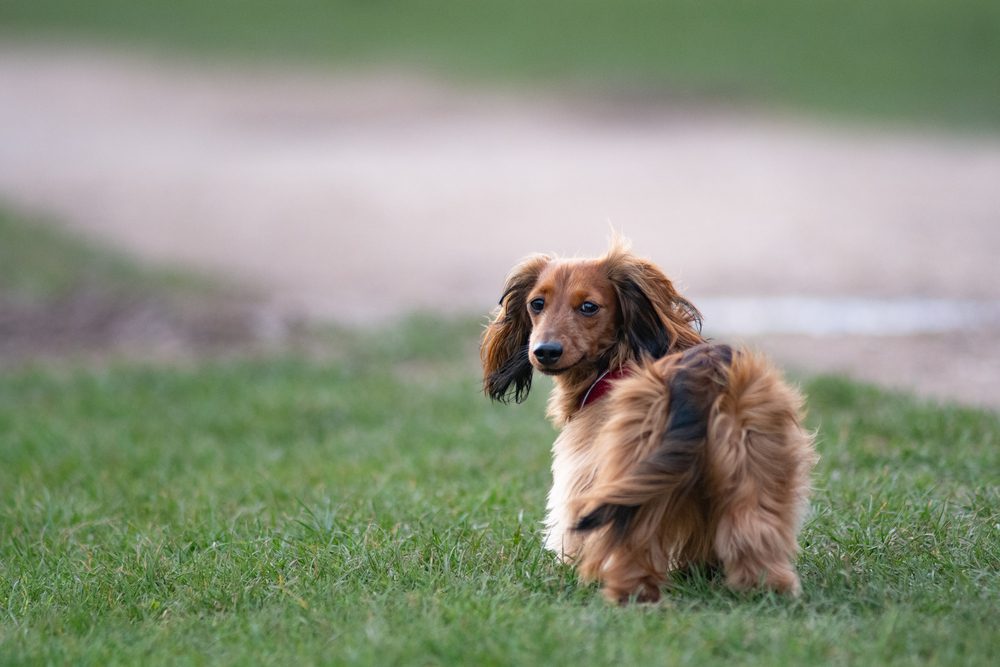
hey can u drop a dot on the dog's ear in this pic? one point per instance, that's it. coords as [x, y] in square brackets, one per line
[504, 349]
[655, 318]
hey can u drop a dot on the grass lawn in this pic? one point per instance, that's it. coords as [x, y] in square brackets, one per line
[923, 60]
[374, 508]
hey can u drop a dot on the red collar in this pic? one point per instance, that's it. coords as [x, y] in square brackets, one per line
[602, 385]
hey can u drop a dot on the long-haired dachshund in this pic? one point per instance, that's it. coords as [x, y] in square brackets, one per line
[673, 451]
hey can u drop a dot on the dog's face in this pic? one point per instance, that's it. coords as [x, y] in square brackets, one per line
[569, 318]
[574, 314]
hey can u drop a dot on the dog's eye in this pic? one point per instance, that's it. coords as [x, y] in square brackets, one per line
[536, 305]
[589, 308]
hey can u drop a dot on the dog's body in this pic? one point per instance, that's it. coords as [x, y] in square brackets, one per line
[673, 451]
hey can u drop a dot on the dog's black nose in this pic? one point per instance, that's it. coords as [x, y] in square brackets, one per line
[548, 353]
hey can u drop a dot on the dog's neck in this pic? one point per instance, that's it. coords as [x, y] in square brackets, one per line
[568, 392]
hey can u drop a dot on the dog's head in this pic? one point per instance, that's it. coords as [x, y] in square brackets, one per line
[566, 316]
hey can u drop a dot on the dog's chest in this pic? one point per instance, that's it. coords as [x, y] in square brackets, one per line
[573, 468]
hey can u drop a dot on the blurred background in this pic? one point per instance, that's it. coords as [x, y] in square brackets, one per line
[821, 178]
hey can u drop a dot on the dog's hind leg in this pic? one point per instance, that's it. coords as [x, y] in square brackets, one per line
[759, 459]
[755, 537]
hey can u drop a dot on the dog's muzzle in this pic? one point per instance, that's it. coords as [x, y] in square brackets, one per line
[548, 353]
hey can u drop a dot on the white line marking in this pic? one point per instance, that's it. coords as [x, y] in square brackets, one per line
[832, 316]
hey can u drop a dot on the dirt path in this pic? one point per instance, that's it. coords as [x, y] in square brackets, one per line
[356, 198]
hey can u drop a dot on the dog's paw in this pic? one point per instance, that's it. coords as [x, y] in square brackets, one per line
[646, 592]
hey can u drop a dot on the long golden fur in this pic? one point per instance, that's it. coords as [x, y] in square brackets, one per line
[696, 455]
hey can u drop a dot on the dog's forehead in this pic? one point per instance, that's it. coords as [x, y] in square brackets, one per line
[575, 276]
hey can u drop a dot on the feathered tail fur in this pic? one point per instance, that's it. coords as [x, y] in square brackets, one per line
[704, 460]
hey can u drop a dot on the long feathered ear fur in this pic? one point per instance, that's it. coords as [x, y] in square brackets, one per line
[656, 319]
[504, 350]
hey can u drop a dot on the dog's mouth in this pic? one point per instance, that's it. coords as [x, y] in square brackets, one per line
[553, 370]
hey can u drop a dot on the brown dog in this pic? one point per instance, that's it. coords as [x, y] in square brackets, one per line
[673, 451]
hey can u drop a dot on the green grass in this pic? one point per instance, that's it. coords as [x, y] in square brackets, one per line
[922, 60]
[376, 509]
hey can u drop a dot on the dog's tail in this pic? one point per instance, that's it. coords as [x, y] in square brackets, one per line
[654, 444]
[686, 434]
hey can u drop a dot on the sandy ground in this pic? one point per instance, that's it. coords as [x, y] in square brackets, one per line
[357, 197]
